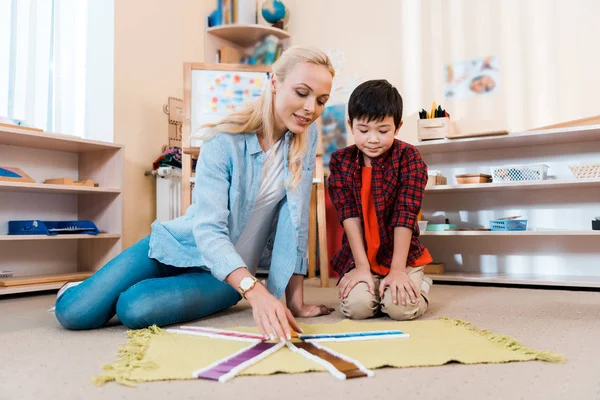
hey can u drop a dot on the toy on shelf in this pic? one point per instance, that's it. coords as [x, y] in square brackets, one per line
[70, 182]
[517, 173]
[14, 175]
[508, 224]
[466, 179]
[435, 178]
[36, 227]
[307, 345]
[275, 13]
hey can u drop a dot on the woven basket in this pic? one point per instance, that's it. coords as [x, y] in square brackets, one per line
[586, 171]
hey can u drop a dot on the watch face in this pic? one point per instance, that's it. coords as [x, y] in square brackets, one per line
[246, 283]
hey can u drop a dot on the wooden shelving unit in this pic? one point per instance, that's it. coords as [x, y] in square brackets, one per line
[509, 233]
[531, 185]
[37, 258]
[21, 238]
[558, 249]
[49, 188]
[514, 140]
[245, 35]
[520, 279]
[240, 37]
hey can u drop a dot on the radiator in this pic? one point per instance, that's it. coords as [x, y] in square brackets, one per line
[168, 193]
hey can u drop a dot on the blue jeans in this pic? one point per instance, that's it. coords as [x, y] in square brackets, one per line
[142, 292]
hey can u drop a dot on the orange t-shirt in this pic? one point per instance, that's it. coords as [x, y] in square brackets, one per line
[371, 227]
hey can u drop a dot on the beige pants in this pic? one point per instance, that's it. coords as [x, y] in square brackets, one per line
[360, 304]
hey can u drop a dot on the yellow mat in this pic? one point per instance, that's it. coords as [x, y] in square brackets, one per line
[154, 355]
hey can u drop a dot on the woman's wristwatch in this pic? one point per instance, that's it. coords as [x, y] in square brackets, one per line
[247, 284]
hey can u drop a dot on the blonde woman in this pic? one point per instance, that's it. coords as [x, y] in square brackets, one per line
[250, 202]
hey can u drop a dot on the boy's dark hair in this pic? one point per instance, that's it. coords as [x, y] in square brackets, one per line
[374, 100]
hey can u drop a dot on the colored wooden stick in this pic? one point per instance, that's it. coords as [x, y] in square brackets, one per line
[225, 369]
[218, 333]
[339, 366]
[353, 336]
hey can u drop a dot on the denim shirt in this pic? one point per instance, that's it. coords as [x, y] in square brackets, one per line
[228, 176]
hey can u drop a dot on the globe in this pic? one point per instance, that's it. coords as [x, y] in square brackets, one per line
[273, 11]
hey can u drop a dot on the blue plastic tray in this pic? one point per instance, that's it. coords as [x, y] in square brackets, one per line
[508, 225]
[36, 227]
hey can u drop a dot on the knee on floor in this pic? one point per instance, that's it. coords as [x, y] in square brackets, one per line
[134, 312]
[405, 312]
[360, 304]
[77, 316]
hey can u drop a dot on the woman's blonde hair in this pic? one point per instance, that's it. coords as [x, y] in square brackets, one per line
[258, 115]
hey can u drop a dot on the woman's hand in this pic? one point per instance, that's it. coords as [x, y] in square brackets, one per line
[311, 310]
[399, 282]
[271, 316]
[352, 278]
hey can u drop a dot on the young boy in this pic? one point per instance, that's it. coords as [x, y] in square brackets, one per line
[377, 187]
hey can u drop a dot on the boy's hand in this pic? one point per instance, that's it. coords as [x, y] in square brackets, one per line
[399, 282]
[352, 278]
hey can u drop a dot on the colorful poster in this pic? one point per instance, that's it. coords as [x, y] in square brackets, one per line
[215, 94]
[226, 91]
[333, 130]
[469, 78]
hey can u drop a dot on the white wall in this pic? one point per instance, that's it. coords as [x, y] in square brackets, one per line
[545, 48]
[99, 96]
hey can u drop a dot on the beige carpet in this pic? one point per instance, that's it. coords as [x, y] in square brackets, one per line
[40, 360]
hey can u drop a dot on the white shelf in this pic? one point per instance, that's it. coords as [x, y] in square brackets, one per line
[511, 233]
[520, 279]
[24, 187]
[51, 141]
[48, 258]
[487, 187]
[40, 282]
[246, 35]
[520, 139]
[20, 238]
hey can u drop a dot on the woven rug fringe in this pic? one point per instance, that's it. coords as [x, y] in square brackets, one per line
[129, 358]
[507, 342]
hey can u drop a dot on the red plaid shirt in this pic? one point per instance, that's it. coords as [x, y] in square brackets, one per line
[399, 179]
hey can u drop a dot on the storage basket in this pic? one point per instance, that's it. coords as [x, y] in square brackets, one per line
[516, 173]
[508, 225]
[586, 171]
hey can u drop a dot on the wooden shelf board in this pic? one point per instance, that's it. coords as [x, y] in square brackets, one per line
[511, 233]
[488, 187]
[12, 238]
[51, 141]
[519, 139]
[246, 35]
[520, 279]
[191, 150]
[7, 186]
[31, 288]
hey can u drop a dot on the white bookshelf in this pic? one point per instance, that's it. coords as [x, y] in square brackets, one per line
[41, 155]
[531, 185]
[521, 279]
[558, 249]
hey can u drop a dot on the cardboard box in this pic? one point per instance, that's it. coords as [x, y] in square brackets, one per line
[435, 269]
